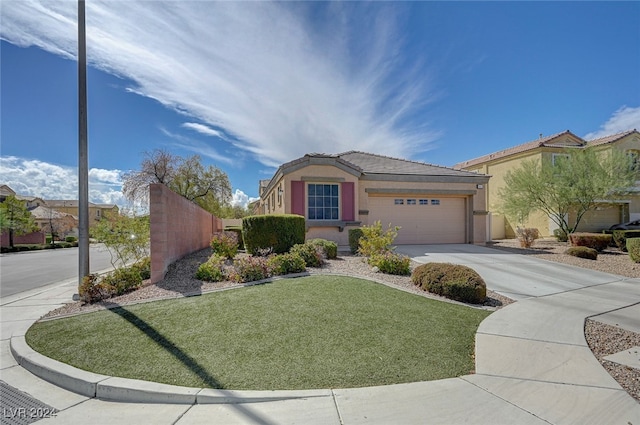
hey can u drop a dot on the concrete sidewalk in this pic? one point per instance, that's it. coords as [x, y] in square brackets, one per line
[533, 366]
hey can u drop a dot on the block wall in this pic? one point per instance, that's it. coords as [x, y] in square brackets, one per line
[178, 227]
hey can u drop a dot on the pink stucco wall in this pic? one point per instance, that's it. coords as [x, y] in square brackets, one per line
[178, 227]
[29, 238]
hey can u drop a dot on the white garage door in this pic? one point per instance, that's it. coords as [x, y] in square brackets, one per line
[432, 220]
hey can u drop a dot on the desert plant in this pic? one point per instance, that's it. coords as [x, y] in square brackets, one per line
[225, 244]
[376, 241]
[92, 290]
[312, 255]
[582, 252]
[212, 270]
[330, 248]
[453, 281]
[123, 280]
[354, 239]
[620, 237]
[527, 236]
[286, 263]
[143, 267]
[560, 235]
[392, 263]
[597, 241]
[633, 247]
[250, 269]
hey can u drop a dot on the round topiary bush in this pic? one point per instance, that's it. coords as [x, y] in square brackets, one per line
[582, 252]
[330, 248]
[453, 281]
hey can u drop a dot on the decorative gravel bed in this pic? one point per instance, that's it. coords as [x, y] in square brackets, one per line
[603, 339]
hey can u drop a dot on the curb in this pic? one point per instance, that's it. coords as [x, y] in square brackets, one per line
[127, 390]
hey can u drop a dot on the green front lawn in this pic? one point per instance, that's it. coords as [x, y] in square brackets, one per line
[302, 333]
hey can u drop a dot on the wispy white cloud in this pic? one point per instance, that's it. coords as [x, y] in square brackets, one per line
[196, 146]
[203, 129]
[280, 79]
[625, 118]
[51, 181]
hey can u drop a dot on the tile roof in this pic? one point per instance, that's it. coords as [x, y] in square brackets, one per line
[378, 164]
[542, 141]
[612, 138]
[47, 213]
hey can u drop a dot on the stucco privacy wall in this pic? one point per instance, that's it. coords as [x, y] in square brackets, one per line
[178, 227]
[29, 238]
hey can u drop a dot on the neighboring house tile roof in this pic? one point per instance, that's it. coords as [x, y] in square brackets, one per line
[612, 138]
[44, 213]
[74, 203]
[555, 140]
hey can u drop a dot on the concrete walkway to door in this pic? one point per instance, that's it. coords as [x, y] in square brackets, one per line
[533, 353]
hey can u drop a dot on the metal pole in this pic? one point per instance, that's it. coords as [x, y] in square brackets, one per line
[83, 156]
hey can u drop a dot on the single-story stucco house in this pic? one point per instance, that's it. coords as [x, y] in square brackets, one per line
[430, 203]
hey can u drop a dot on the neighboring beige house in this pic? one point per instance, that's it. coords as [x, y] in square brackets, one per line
[548, 148]
[50, 221]
[30, 202]
[96, 211]
[431, 204]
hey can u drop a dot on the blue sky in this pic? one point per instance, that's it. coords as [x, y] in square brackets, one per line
[250, 85]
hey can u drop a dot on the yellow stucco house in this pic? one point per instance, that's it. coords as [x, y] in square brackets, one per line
[96, 211]
[549, 148]
[337, 192]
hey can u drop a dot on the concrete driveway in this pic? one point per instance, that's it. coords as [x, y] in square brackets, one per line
[515, 276]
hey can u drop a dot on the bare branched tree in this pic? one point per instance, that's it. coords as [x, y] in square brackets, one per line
[208, 186]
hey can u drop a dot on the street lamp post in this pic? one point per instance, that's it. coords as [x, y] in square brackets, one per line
[83, 156]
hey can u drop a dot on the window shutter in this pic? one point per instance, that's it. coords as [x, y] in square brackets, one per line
[348, 201]
[297, 198]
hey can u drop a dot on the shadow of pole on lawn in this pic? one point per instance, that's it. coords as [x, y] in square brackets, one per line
[183, 357]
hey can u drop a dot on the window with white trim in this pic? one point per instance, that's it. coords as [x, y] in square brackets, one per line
[435, 202]
[323, 201]
[424, 202]
[411, 201]
[398, 201]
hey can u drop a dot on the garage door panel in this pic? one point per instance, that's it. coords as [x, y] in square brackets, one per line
[442, 221]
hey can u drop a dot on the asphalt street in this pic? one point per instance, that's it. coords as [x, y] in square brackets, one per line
[23, 271]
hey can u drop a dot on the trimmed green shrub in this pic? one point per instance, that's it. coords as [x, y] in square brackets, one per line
[212, 270]
[330, 248]
[71, 239]
[633, 247]
[620, 237]
[238, 231]
[143, 267]
[312, 255]
[392, 263]
[582, 252]
[92, 290]
[124, 279]
[288, 263]
[276, 231]
[597, 241]
[560, 235]
[225, 244]
[453, 281]
[354, 239]
[250, 269]
[527, 236]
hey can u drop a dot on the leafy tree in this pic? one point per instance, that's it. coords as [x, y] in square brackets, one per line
[208, 187]
[570, 187]
[127, 238]
[16, 218]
